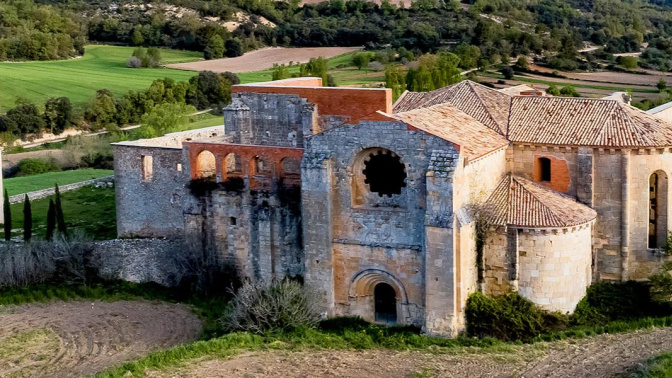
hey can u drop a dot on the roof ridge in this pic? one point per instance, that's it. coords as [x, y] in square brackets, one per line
[480, 100]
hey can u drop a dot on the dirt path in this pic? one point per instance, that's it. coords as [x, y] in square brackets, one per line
[68, 339]
[263, 59]
[601, 356]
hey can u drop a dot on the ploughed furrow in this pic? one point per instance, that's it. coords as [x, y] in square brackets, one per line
[67, 339]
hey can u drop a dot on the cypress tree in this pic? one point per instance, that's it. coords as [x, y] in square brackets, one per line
[51, 220]
[60, 219]
[27, 219]
[8, 217]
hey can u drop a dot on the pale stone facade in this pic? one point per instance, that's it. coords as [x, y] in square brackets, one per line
[397, 213]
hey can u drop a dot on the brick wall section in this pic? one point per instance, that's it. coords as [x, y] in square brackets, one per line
[353, 103]
[560, 177]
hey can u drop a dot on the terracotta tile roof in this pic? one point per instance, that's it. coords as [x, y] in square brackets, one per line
[584, 122]
[516, 90]
[450, 123]
[486, 105]
[519, 202]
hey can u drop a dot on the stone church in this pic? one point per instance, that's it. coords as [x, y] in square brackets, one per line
[396, 212]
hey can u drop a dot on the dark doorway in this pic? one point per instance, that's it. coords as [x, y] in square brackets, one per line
[386, 304]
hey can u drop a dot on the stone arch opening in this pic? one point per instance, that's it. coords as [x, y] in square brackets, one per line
[261, 165]
[377, 295]
[657, 209]
[206, 165]
[385, 304]
[232, 165]
[290, 167]
[378, 179]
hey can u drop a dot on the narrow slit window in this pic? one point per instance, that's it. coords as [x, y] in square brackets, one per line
[178, 167]
[545, 167]
[147, 168]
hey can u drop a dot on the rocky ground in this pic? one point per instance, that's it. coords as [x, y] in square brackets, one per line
[68, 339]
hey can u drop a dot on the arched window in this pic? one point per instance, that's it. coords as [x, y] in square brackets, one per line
[657, 209]
[205, 165]
[545, 169]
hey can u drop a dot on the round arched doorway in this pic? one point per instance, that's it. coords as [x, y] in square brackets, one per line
[385, 299]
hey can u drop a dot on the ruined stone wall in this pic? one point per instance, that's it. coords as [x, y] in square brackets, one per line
[149, 206]
[150, 180]
[256, 233]
[555, 267]
[2, 191]
[269, 119]
[355, 239]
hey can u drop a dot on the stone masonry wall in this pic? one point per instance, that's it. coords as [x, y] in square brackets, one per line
[149, 207]
[372, 238]
[555, 267]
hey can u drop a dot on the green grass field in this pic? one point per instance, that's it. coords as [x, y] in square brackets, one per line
[90, 209]
[101, 67]
[27, 184]
[204, 120]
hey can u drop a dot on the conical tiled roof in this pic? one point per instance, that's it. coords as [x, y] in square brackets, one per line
[519, 202]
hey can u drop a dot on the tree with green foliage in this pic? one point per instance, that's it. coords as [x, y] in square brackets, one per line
[137, 39]
[7, 213]
[101, 112]
[27, 118]
[433, 72]
[153, 58]
[553, 90]
[27, 219]
[522, 64]
[166, 118]
[58, 114]
[214, 49]
[569, 91]
[51, 220]
[662, 85]
[361, 60]
[396, 80]
[280, 72]
[629, 62]
[507, 72]
[60, 218]
[315, 67]
[233, 48]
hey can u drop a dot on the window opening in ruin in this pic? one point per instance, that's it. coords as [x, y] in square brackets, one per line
[657, 210]
[385, 173]
[385, 304]
[178, 167]
[205, 165]
[233, 221]
[147, 168]
[545, 167]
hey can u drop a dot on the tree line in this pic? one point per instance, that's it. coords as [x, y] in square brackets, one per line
[499, 28]
[105, 111]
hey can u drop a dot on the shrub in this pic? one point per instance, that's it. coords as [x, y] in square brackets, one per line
[569, 91]
[509, 317]
[29, 167]
[507, 72]
[376, 66]
[60, 260]
[261, 307]
[134, 62]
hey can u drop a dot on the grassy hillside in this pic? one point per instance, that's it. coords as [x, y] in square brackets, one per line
[101, 67]
[26, 184]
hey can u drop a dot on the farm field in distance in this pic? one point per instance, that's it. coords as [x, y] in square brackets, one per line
[101, 67]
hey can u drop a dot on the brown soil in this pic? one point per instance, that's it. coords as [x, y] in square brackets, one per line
[601, 356]
[69, 339]
[263, 59]
[612, 78]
